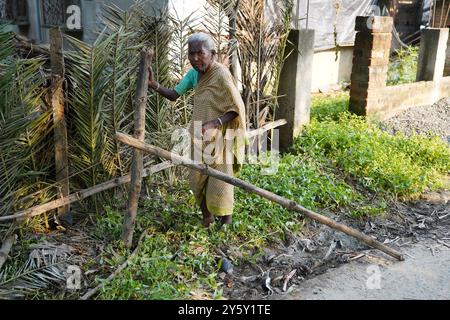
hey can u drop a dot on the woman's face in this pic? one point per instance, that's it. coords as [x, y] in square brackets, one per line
[199, 57]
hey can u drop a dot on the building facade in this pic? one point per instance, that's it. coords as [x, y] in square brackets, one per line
[79, 18]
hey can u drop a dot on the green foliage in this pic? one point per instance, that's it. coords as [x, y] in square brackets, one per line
[180, 255]
[380, 162]
[25, 125]
[403, 67]
[110, 225]
[329, 107]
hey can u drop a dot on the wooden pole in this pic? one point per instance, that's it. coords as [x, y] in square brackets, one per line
[286, 203]
[57, 103]
[139, 133]
[232, 17]
[434, 14]
[23, 43]
[6, 248]
[446, 17]
[82, 194]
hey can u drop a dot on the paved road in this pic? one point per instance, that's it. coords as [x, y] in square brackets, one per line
[426, 276]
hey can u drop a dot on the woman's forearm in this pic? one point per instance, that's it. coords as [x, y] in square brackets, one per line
[170, 94]
[227, 117]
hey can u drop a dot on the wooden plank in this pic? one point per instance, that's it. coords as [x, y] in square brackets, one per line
[266, 127]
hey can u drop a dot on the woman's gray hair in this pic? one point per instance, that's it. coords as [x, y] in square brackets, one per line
[205, 39]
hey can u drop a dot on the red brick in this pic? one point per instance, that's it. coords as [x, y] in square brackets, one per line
[374, 24]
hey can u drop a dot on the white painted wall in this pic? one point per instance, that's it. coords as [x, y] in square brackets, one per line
[329, 72]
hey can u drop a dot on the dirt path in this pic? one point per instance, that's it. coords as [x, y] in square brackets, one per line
[426, 276]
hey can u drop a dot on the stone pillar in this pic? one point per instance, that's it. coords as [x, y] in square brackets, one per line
[432, 54]
[295, 86]
[370, 60]
[447, 59]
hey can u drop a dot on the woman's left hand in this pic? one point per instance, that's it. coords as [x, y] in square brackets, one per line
[211, 124]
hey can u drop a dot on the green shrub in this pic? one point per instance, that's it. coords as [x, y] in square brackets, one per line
[403, 67]
[329, 107]
[381, 162]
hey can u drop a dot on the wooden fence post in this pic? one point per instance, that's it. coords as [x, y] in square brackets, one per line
[139, 133]
[57, 103]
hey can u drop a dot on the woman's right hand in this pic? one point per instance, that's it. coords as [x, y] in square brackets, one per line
[151, 81]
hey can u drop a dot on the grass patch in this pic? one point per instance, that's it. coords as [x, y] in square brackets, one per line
[180, 255]
[329, 106]
[381, 162]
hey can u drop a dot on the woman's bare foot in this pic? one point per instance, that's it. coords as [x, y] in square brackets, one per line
[226, 219]
[208, 218]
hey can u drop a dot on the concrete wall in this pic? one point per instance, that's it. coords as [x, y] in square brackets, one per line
[447, 60]
[369, 95]
[387, 102]
[327, 72]
[295, 87]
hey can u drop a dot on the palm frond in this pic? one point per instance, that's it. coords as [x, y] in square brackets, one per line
[45, 267]
[260, 43]
[217, 23]
[25, 126]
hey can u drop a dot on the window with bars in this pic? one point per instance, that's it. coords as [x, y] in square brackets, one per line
[54, 12]
[14, 11]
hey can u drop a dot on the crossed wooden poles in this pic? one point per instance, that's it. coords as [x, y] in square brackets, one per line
[286, 203]
[138, 172]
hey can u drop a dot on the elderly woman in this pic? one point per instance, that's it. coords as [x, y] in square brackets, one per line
[218, 107]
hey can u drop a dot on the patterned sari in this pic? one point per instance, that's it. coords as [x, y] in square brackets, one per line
[215, 95]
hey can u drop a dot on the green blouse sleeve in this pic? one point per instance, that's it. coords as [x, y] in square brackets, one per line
[188, 82]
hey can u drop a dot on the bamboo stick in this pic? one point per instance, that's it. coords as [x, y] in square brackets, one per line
[434, 14]
[286, 203]
[82, 194]
[266, 127]
[446, 17]
[138, 157]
